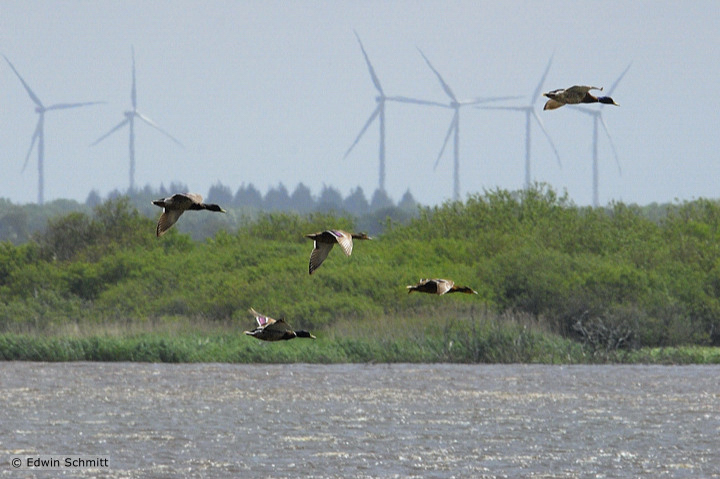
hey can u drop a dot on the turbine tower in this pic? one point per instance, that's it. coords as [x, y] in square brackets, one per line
[379, 112]
[130, 117]
[39, 134]
[596, 115]
[454, 129]
[530, 115]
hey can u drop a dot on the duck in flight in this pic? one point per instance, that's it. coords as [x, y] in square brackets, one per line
[270, 329]
[573, 96]
[439, 287]
[325, 240]
[175, 205]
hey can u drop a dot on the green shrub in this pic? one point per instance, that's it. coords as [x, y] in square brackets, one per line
[614, 278]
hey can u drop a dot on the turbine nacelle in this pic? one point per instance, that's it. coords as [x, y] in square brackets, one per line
[530, 116]
[130, 116]
[598, 122]
[455, 104]
[38, 135]
[379, 111]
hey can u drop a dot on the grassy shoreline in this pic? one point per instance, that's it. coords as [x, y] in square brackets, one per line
[402, 339]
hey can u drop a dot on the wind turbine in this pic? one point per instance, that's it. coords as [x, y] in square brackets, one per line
[379, 112]
[530, 115]
[39, 133]
[596, 114]
[456, 104]
[130, 117]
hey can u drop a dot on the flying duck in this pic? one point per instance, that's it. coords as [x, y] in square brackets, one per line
[175, 205]
[324, 242]
[270, 329]
[573, 96]
[439, 287]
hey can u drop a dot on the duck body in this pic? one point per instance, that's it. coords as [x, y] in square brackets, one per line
[573, 96]
[439, 287]
[174, 206]
[324, 242]
[269, 329]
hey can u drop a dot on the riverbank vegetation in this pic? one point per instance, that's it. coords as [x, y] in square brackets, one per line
[557, 283]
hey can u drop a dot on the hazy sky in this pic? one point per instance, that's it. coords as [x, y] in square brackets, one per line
[266, 92]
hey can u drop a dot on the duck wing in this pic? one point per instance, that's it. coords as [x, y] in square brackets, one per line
[167, 219]
[278, 325]
[552, 105]
[577, 93]
[443, 285]
[345, 241]
[318, 255]
[584, 88]
[261, 319]
[194, 197]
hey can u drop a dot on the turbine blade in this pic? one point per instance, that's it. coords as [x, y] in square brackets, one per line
[64, 106]
[404, 99]
[155, 125]
[614, 85]
[479, 100]
[373, 76]
[444, 85]
[547, 135]
[113, 130]
[133, 90]
[453, 125]
[511, 108]
[35, 136]
[612, 145]
[31, 93]
[364, 128]
[538, 89]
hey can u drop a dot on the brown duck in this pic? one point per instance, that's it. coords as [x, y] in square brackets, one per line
[439, 287]
[175, 205]
[270, 329]
[325, 240]
[575, 95]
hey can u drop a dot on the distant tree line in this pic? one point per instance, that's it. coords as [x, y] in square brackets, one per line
[278, 198]
[19, 222]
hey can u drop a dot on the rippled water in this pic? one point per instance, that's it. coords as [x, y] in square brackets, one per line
[354, 421]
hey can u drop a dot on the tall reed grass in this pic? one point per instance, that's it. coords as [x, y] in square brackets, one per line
[462, 334]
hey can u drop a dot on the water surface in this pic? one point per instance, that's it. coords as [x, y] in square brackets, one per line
[363, 421]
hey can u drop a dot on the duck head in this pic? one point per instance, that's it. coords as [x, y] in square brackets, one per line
[213, 207]
[304, 334]
[607, 100]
